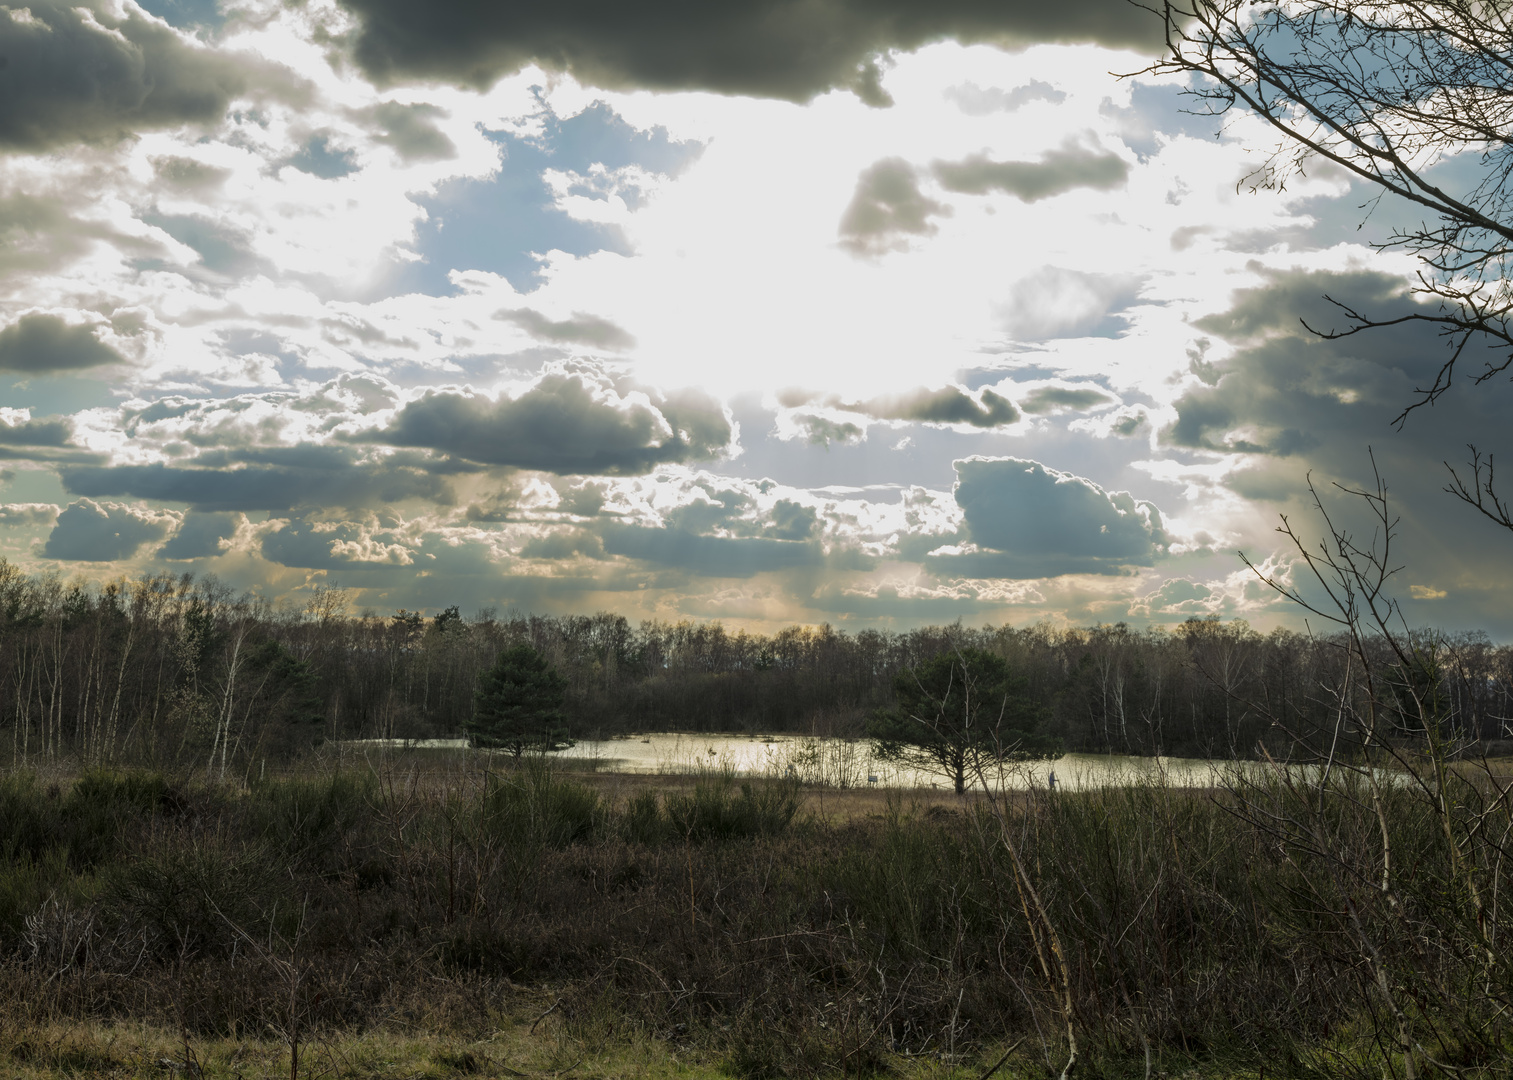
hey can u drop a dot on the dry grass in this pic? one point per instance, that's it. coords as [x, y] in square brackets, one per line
[553, 1051]
[418, 917]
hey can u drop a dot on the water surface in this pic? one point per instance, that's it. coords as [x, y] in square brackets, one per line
[851, 763]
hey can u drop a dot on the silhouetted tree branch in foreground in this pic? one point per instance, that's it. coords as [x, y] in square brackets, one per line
[1386, 92]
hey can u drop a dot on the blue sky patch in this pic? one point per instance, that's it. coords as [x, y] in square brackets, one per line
[502, 224]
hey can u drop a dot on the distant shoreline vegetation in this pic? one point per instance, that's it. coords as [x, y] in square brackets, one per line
[181, 671]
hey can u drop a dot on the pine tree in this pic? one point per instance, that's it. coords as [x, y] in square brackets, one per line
[518, 704]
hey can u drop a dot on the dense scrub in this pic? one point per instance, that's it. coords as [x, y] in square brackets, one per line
[1152, 924]
[174, 672]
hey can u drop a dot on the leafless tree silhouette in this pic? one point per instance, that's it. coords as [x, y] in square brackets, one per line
[1386, 91]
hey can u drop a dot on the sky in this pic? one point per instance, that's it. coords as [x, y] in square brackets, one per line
[769, 312]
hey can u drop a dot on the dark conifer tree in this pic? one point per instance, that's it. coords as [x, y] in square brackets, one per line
[518, 704]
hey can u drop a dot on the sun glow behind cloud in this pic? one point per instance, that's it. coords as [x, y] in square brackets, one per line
[680, 351]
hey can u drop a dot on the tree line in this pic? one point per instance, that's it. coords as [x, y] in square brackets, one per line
[180, 669]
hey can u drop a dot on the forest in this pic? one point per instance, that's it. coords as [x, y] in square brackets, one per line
[173, 670]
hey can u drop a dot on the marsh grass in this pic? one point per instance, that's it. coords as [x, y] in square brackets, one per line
[394, 920]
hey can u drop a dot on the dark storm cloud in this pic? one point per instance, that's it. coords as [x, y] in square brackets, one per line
[888, 207]
[1285, 391]
[581, 329]
[1057, 172]
[1285, 405]
[573, 420]
[342, 481]
[96, 72]
[88, 531]
[790, 49]
[45, 344]
[1031, 522]
[200, 536]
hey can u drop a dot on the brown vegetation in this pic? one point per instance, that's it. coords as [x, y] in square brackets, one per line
[733, 924]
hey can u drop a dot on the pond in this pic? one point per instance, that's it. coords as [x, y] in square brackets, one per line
[846, 763]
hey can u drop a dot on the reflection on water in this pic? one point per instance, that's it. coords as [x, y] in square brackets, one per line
[851, 763]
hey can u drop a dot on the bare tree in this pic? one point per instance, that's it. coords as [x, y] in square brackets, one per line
[1427, 942]
[1385, 90]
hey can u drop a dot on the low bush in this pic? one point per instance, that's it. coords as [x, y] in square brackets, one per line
[308, 819]
[719, 809]
[190, 895]
[531, 804]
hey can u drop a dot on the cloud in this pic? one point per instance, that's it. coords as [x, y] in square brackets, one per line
[580, 329]
[200, 536]
[887, 208]
[1053, 399]
[98, 71]
[1059, 303]
[1239, 592]
[1126, 421]
[793, 521]
[43, 233]
[949, 405]
[695, 523]
[1284, 392]
[17, 428]
[1178, 596]
[975, 100]
[572, 420]
[789, 49]
[88, 531]
[1056, 173]
[332, 477]
[564, 544]
[22, 514]
[715, 556]
[43, 344]
[411, 131]
[1275, 406]
[946, 406]
[188, 175]
[822, 430]
[1024, 520]
[223, 248]
[333, 545]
